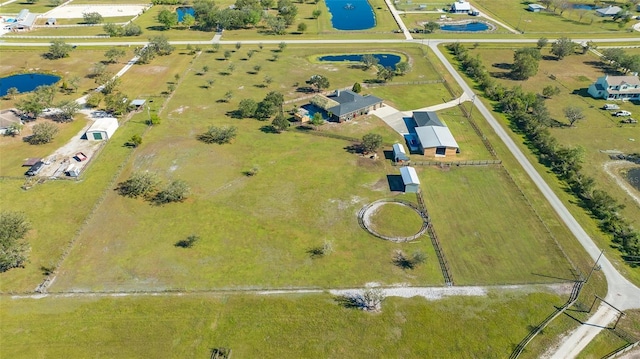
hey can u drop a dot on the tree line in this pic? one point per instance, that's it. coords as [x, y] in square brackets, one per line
[528, 113]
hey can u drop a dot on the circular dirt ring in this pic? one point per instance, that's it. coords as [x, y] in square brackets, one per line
[367, 212]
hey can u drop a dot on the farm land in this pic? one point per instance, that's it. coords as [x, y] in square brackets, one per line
[257, 232]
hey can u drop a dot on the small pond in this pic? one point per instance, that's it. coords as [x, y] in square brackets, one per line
[633, 177]
[386, 60]
[182, 11]
[26, 82]
[468, 27]
[583, 6]
[351, 14]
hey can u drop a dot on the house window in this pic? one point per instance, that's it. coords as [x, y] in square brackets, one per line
[441, 151]
[97, 136]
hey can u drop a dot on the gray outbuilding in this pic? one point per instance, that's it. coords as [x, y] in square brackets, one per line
[410, 179]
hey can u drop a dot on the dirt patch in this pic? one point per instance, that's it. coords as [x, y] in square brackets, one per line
[154, 69]
[612, 169]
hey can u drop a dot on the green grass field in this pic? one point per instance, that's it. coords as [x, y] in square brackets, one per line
[396, 220]
[486, 227]
[268, 326]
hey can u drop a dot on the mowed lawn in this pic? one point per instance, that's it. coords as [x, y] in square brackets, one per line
[488, 232]
[252, 326]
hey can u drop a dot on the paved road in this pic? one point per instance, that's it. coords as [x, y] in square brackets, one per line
[621, 293]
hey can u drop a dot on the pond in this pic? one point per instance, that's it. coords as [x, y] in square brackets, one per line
[351, 14]
[26, 82]
[633, 177]
[468, 27]
[583, 6]
[386, 60]
[182, 11]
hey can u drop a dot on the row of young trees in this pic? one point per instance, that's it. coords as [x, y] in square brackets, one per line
[620, 60]
[529, 114]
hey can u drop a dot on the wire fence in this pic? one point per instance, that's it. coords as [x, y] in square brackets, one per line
[448, 163]
[444, 265]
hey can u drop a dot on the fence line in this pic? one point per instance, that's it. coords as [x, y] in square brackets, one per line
[444, 265]
[479, 132]
[618, 352]
[449, 163]
[376, 84]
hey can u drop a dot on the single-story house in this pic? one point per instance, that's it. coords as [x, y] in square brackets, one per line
[410, 179]
[344, 105]
[434, 136]
[616, 88]
[102, 129]
[399, 154]
[51, 21]
[536, 7]
[461, 6]
[608, 11]
[22, 15]
[7, 119]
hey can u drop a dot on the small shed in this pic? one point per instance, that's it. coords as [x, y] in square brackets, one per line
[536, 7]
[102, 129]
[137, 103]
[410, 179]
[399, 154]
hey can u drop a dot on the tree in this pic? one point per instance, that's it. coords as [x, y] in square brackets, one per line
[92, 18]
[276, 23]
[371, 299]
[74, 81]
[573, 114]
[371, 142]
[280, 123]
[250, 53]
[131, 29]
[55, 3]
[357, 88]
[188, 20]
[210, 83]
[431, 26]
[317, 120]
[219, 135]
[268, 80]
[319, 81]
[257, 68]
[562, 47]
[116, 102]
[542, 42]
[68, 109]
[385, 74]
[402, 68]
[12, 92]
[227, 54]
[59, 49]
[160, 44]
[114, 54]
[187, 243]
[140, 184]
[154, 120]
[228, 96]
[287, 11]
[176, 191]
[281, 46]
[112, 29]
[97, 70]
[43, 132]
[302, 27]
[247, 108]
[95, 99]
[13, 248]
[167, 18]
[316, 14]
[550, 91]
[368, 61]
[525, 63]
[135, 140]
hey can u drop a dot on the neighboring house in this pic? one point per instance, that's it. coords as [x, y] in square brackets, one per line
[399, 154]
[461, 6]
[138, 103]
[536, 7]
[102, 129]
[616, 88]
[7, 119]
[434, 137]
[24, 21]
[608, 11]
[344, 105]
[410, 179]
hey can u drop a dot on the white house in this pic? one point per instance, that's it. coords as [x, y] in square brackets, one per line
[102, 129]
[461, 6]
[608, 11]
[616, 88]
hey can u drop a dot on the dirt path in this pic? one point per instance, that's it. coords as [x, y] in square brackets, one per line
[612, 170]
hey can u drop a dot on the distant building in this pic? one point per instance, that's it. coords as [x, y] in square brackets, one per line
[399, 154]
[616, 88]
[8, 118]
[461, 6]
[536, 7]
[344, 105]
[410, 179]
[24, 21]
[102, 129]
[434, 137]
[51, 21]
[608, 11]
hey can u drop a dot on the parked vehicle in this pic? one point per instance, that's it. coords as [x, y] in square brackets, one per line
[629, 120]
[610, 106]
[35, 169]
[623, 113]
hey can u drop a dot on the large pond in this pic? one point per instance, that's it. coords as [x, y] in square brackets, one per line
[182, 11]
[26, 82]
[583, 6]
[386, 60]
[633, 176]
[351, 14]
[468, 27]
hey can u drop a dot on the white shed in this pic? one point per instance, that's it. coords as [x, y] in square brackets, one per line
[102, 129]
[410, 179]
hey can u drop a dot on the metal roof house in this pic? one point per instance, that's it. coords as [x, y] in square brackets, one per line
[461, 6]
[410, 179]
[399, 154]
[536, 7]
[25, 24]
[102, 129]
[616, 88]
[22, 15]
[344, 105]
[138, 102]
[434, 137]
[608, 11]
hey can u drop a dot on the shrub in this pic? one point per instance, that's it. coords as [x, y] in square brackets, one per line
[176, 191]
[139, 184]
[219, 135]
